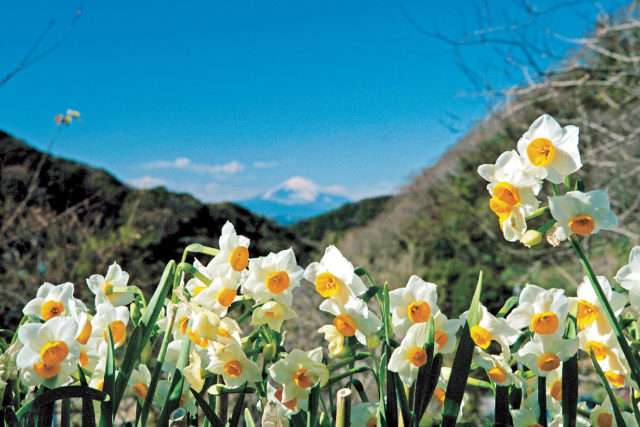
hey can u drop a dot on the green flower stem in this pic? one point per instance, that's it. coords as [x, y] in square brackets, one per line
[567, 183]
[629, 355]
[542, 401]
[350, 372]
[537, 213]
[345, 362]
[547, 225]
[343, 412]
[554, 188]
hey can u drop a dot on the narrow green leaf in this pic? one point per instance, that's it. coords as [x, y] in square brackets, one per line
[432, 383]
[131, 357]
[407, 414]
[194, 272]
[371, 292]
[106, 408]
[10, 417]
[248, 419]
[506, 308]
[209, 412]
[360, 389]
[424, 371]
[612, 397]
[65, 413]
[88, 413]
[391, 408]
[151, 314]
[382, 373]
[312, 414]
[177, 381]
[542, 401]
[237, 411]
[502, 415]
[570, 377]
[461, 363]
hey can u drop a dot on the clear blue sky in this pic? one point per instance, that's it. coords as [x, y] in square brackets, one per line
[228, 99]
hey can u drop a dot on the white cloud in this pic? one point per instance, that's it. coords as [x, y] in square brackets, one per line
[337, 190]
[147, 182]
[184, 163]
[265, 165]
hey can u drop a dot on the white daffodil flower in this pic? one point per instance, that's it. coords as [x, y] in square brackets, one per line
[195, 285]
[274, 277]
[50, 352]
[206, 324]
[102, 287]
[614, 366]
[529, 413]
[218, 296]
[601, 346]
[53, 301]
[193, 372]
[491, 328]
[544, 311]
[412, 304]
[229, 330]
[445, 333]
[497, 368]
[273, 314]
[510, 184]
[602, 415]
[298, 372]
[543, 355]
[233, 257]
[139, 381]
[234, 366]
[512, 221]
[407, 359]
[334, 277]
[554, 386]
[582, 213]
[352, 318]
[195, 351]
[590, 311]
[629, 278]
[365, 414]
[551, 149]
[287, 408]
[116, 318]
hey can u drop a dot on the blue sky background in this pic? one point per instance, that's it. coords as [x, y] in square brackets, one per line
[228, 99]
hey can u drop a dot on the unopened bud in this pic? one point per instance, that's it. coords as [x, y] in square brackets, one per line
[373, 341]
[134, 310]
[531, 238]
[145, 354]
[269, 352]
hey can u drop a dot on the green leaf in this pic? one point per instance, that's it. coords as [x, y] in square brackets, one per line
[312, 414]
[407, 414]
[194, 272]
[506, 308]
[88, 413]
[422, 380]
[208, 411]
[570, 377]
[106, 408]
[237, 410]
[248, 419]
[201, 249]
[502, 415]
[360, 389]
[177, 381]
[461, 363]
[131, 357]
[154, 307]
[612, 397]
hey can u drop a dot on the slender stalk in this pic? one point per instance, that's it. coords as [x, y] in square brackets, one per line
[502, 405]
[542, 401]
[343, 411]
[617, 329]
[537, 213]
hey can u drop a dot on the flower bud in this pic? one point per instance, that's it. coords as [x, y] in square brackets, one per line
[136, 314]
[269, 352]
[145, 355]
[531, 238]
[373, 341]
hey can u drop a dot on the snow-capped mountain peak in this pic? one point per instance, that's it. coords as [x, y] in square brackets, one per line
[295, 190]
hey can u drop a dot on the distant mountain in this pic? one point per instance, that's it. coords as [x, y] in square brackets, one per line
[295, 199]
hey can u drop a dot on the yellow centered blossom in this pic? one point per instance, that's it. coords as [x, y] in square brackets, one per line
[497, 374]
[345, 325]
[587, 313]
[226, 295]
[499, 207]
[441, 338]
[51, 309]
[582, 224]
[439, 395]
[183, 325]
[327, 285]
[599, 350]
[83, 359]
[301, 378]
[233, 368]
[198, 289]
[118, 332]
[194, 337]
[481, 336]
[556, 390]
[85, 333]
[419, 311]
[507, 193]
[541, 152]
[548, 362]
[615, 379]
[54, 352]
[605, 420]
[46, 371]
[107, 288]
[545, 323]
[289, 404]
[223, 332]
[239, 258]
[278, 282]
[417, 356]
[141, 390]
